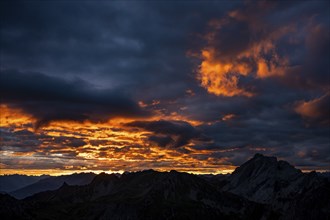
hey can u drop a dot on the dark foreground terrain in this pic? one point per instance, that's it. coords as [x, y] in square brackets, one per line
[262, 188]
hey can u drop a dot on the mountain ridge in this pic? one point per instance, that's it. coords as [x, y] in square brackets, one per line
[261, 188]
[52, 183]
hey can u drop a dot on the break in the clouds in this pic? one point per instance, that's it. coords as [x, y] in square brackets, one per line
[197, 86]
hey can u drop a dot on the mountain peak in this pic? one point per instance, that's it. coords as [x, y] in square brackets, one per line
[258, 155]
[104, 178]
[261, 176]
[264, 166]
[64, 185]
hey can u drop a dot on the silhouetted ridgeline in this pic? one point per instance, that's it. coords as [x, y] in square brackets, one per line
[262, 188]
[9, 183]
[52, 183]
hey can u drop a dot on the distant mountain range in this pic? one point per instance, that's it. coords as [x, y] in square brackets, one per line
[21, 186]
[52, 183]
[9, 183]
[262, 188]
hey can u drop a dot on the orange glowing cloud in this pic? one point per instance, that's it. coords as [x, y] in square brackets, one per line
[316, 110]
[64, 147]
[228, 117]
[224, 63]
[16, 117]
[221, 78]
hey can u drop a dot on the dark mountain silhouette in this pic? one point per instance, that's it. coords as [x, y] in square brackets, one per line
[287, 190]
[264, 179]
[325, 175]
[143, 195]
[9, 183]
[262, 188]
[11, 208]
[52, 183]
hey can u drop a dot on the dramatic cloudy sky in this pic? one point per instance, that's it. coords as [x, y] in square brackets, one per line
[197, 86]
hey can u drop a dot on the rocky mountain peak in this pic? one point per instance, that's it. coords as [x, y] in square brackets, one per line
[262, 166]
[104, 178]
[264, 178]
[64, 185]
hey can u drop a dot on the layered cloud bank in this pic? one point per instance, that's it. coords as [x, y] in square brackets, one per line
[197, 87]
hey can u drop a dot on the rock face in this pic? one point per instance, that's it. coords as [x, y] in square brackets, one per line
[263, 179]
[286, 189]
[262, 188]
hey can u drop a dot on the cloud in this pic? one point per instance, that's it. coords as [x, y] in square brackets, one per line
[26, 141]
[18, 141]
[162, 140]
[69, 141]
[240, 46]
[258, 61]
[249, 44]
[102, 44]
[49, 98]
[172, 134]
[316, 110]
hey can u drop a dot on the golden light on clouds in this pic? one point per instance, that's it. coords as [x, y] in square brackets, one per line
[15, 117]
[221, 78]
[220, 71]
[228, 117]
[227, 81]
[64, 147]
[315, 110]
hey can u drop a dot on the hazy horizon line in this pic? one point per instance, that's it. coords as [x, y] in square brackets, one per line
[135, 171]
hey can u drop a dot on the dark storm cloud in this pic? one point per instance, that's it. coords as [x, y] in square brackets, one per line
[69, 141]
[269, 120]
[162, 141]
[25, 141]
[139, 45]
[86, 60]
[98, 142]
[49, 98]
[170, 133]
[19, 141]
[289, 42]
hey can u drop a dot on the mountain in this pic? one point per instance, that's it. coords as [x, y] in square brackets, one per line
[11, 208]
[10, 183]
[143, 195]
[325, 175]
[262, 179]
[262, 188]
[52, 183]
[286, 189]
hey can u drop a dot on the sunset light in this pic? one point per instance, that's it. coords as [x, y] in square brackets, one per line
[164, 109]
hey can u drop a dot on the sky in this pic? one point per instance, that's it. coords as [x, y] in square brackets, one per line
[195, 86]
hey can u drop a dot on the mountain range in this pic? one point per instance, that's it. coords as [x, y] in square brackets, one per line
[261, 188]
[52, 183]
[9, 183]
